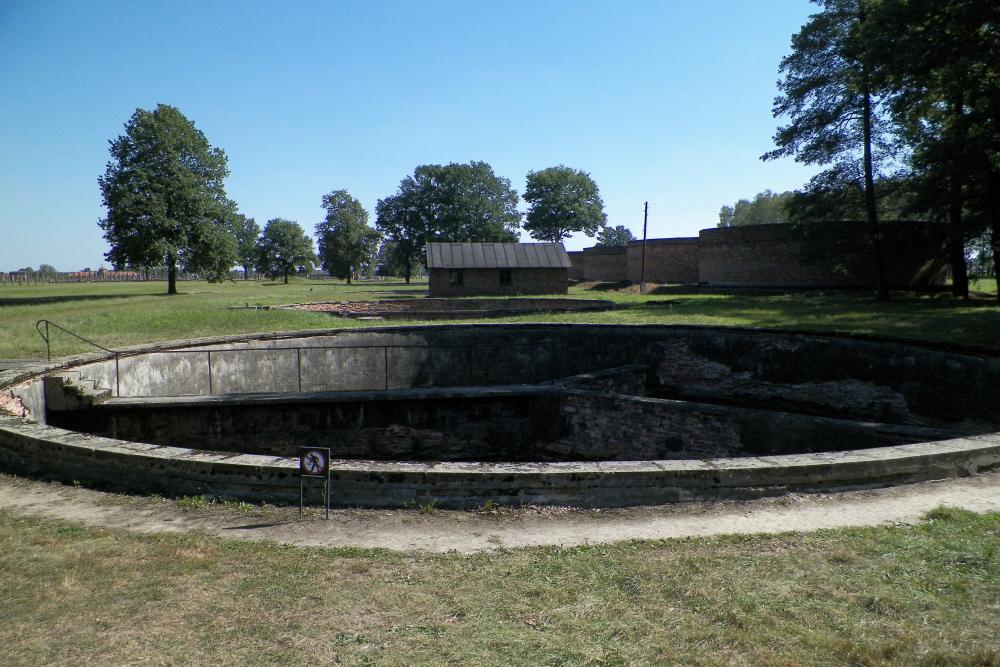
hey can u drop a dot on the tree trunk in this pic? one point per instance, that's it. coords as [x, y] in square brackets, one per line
[406, 271]
[995, 246]
[956, 241]
[956, 234]
[171, 274]
[286, 277]
[993, 194]
[881, 286]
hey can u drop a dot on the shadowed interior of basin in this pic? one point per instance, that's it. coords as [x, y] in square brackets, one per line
[535, 393]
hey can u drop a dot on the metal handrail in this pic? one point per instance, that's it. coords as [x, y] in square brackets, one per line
[48, 347]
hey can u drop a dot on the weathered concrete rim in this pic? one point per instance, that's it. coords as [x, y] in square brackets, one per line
[30, 448]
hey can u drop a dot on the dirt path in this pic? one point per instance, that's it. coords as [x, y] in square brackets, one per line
[439, 531]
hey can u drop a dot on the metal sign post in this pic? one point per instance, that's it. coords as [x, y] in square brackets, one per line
[314, 462]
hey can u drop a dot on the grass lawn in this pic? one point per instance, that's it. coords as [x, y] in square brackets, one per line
[924, 595]
[120, 314]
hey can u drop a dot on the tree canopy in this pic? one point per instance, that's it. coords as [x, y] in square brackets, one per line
[904, 96]
[246, 231]
[766, 208]
[390, 262]
[346, 241]
[614, 237]
[829, 93]
[166, 204]
[448, 203]
[942, 64]
[284, 249]
[561, 201]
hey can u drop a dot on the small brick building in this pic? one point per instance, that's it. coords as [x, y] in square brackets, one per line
[475, 269]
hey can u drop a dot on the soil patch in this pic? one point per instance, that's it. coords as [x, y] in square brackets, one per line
[428, 529]
[427, 308]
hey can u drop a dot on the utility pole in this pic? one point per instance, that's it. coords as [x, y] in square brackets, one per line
[642, 269]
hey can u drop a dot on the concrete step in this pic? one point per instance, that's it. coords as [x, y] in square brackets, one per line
[69, 390]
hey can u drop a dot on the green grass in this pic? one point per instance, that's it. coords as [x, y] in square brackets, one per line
[117, 315]
[924, 595]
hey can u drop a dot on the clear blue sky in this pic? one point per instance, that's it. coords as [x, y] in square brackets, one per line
[667, 101]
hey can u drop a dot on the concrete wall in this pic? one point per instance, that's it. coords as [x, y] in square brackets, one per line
[852, 377]
[415, 425]
[487, 282]
[33, 449]
[504, 424]
[667, 261]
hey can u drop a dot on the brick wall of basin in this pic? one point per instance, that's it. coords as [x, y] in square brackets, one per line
[905, 386]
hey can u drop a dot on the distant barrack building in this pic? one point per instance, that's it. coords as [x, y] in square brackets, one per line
[829, 255]
[467, 269]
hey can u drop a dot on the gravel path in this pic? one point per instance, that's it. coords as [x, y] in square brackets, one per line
[470, 531]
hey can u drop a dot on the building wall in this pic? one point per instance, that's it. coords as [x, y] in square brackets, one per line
[487, 282]
[831, 255]
[600, 264]
[576, 269]
[667, 261]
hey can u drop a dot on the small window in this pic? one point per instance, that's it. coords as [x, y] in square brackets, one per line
[505, 277]
[456, 278]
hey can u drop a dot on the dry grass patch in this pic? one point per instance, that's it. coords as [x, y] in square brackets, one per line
[925, 595]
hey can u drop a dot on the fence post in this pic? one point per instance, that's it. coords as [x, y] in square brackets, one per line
[298, 366]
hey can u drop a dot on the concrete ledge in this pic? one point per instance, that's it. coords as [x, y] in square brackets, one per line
[34, 449]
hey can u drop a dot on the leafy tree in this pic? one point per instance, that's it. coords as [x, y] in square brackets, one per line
[390, 262]
[614, 237]
[448, 203]
[562, 201]
[163, 190]
[283, 249]
[346, 241]
[245, 231]
[766, 208]
[943, 64]
[47, 269]
[828, 92]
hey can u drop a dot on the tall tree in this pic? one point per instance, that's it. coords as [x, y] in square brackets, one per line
[246, 231]
[561, 201]
[163, 190]
[943, 61]
[284, 249]
[767, 208]
[828, 92]
[448, 203]
[614, 237]
[346, 240]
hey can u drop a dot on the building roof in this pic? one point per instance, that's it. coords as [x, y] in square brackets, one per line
[497, 256]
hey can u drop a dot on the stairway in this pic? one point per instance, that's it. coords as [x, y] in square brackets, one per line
[69, 390]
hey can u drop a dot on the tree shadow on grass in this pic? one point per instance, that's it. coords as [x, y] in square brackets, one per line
[940, 318]
[43, 300]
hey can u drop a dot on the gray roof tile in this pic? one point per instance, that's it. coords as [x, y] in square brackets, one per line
[496, 256]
